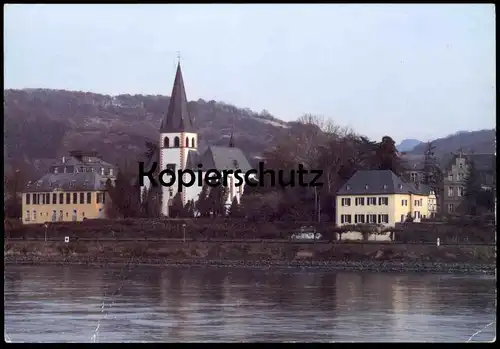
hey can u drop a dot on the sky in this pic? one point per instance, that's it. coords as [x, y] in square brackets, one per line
[408, 71]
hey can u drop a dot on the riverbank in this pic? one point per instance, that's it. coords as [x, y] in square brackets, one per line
[361, 266]
[356, 257]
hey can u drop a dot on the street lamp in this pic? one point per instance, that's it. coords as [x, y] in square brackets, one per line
[46, 226]
[184, 231]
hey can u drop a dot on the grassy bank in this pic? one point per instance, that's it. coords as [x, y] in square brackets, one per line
[332, 256]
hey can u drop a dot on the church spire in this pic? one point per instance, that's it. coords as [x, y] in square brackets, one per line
[177, 118]
[231, 141]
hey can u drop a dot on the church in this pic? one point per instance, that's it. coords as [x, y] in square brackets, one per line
[177, 150]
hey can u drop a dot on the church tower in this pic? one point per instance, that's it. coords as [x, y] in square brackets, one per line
[177, 138]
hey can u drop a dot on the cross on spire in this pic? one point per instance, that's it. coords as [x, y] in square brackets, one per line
[178, 56]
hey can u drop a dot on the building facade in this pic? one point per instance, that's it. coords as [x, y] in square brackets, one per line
[74, 190]
[455, 177]
[178, 150]
[380, 197]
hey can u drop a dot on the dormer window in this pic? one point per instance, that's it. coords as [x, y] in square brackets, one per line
[56, 170]
[400, 187]
[366, 187]
[102, 171]
[348, 187]
[235, 163]
[385, 186]
[111, 172]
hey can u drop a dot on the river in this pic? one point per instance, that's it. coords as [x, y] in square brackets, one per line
[153, 304]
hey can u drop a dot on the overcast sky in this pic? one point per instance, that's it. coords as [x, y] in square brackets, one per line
[409, 71]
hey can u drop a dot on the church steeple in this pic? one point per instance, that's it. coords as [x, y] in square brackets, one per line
[177, 118]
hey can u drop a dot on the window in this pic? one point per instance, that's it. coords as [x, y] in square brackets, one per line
[192, 143]
[34, 215]
[28, 216]
[75, 198]
[28, 199]
[451, 208]
[383, 218]
[187, 142]
[111, 172]
[43, 198]
[54, 199]
[47, 198]
[166, 142]
[68, 198]
[461, 191]
[359, 218]
[103, 198]
[450, 176]
[83, 214]
[35, 197]
[345, 218]
[89, 198]
[82, 198]
[346, 202]
[359, 201]
[450, 191]
[413, 177]
[171, 167]
[371, 218]
[176, 142]
[60, 215]
[98, 198]
[404, 202]
[417, 215]
[371, 201]
[461, 165]
[102, 171]
[383, 201]
[385, 186]
[54, 215]
[61, 198]
[420, 202]
[416, 203]
[460, 176]
[402, 218]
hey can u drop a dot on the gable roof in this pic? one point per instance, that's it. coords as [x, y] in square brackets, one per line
[219, 158]
[177, 118]
[375, 182]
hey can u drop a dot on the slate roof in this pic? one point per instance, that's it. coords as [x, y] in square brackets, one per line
[177, 118]
[377, 182]
[219, 158]
[83, 181]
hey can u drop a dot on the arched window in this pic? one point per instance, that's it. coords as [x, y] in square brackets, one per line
[187, 142]
[176, 142]
[192, 143]
[166, 142]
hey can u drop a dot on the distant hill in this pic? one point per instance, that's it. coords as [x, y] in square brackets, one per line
[407, 144]
[478, 142]
[42, 124]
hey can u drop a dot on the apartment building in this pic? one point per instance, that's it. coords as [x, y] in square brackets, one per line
[380, 197]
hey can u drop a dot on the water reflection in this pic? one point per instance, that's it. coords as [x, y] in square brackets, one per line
[63, 304]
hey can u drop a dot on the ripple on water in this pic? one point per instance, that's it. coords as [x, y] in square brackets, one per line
[58, 304]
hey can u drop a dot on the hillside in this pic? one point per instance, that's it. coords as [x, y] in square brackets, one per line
[407, 144]
[482, 141]
[41, 124]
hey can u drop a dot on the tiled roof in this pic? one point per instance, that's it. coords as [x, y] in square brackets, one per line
[376, 182]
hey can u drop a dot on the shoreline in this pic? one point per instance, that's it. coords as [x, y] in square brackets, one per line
[348, 266]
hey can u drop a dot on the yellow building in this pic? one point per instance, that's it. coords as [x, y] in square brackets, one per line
[74, 190]
[380, 197]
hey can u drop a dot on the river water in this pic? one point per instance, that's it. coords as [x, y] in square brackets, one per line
[153, 304]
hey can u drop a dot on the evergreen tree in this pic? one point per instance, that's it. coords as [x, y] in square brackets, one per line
[472, 189]
[202, 205]
[235, 211]
[177, 208]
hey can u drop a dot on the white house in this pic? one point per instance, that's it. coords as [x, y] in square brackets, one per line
[177, 150]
